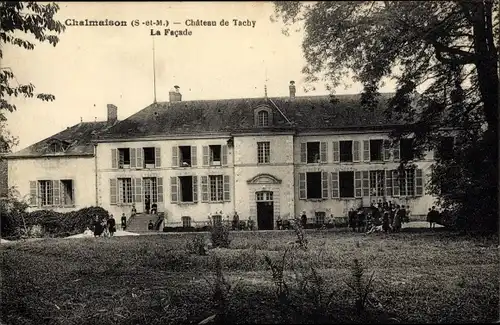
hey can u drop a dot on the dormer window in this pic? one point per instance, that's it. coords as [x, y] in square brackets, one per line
[263, 118]
[56, 146]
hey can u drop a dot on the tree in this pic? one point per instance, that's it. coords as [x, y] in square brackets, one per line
[443, 57]
[20, 21]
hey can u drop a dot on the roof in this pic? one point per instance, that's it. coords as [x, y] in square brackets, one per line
[76, 140]
[306, 113]
[230, 116]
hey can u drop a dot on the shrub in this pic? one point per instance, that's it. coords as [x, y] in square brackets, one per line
[220, 235]
[359, 286]
[63, 224]
[196, 245]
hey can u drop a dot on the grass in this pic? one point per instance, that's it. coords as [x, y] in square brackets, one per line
[427, 276]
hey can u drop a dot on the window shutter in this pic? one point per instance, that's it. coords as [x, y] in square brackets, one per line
[194, 159]
[133, 161]
[175, 157]
[366, 150]
[227, 191]
[303, 153]
[419, 183]
[335, 185]
[205, 152]
[357, 184]
[159, 188]
[323, 152]
[204, 188]
[140, 157]
[114, 158]
[356, 155]
[56, 192]
[387, 150]
[174, 196]
[324, 185]
[113, 190]
[33, 194]
[157, 157]
[396, 151]
[388, 183]
[224, 155]
[395, 183]
[195, 188]
[302, 186]
[73, 192]
[366, 183]
[336, 151]
[138, 189]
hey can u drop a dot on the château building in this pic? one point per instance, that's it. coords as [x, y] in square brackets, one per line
[263, 158]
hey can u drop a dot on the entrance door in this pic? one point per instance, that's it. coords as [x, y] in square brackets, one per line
[265, 210]
[149, 193]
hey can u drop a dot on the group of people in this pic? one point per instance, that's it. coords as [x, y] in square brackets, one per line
[105, 227]
[380, 216]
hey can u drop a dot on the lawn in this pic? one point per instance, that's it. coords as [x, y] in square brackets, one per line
[420, 276]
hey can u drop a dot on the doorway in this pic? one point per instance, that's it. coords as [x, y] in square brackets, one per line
[150, 194]
[265, 210]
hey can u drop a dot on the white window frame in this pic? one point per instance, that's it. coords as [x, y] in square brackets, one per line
[263, 152]
[125, 192]
[216, 188]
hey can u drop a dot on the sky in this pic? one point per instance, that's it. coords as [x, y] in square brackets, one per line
[94, 66]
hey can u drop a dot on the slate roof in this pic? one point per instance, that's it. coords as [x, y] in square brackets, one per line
[231, 116]
[77, 140]
[306, 113]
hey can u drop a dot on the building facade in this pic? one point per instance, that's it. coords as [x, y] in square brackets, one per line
[264, 158]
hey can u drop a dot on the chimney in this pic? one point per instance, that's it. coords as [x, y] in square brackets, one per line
[174, 95]
[292, 89]
[112, 114]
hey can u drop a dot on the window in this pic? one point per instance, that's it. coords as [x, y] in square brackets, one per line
[264, 196]
[216, 188]
[346, 184]
[346, 151]
[186, 188]
[320, 218]
[445, 148]
[314, 185]
[149, 157]
[185, 156]
[376, 147]
[313, 152]
[262, 118]
[186, 222]
[67, 192]
[215, 155]
[46, 193]
[217, 219]
[377, 181]
[263, 152]
[407, 183]
[124, 158]
[124, 190]
[406, 149]
[151, 188]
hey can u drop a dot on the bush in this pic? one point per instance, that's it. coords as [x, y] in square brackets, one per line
[196, 245]
[58, 224]
[220, 235]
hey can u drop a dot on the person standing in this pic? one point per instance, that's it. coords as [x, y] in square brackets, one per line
[97, 227]
[111, 223]
[385, 222]
[124, 221]
[303, 219]
[147, 204]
